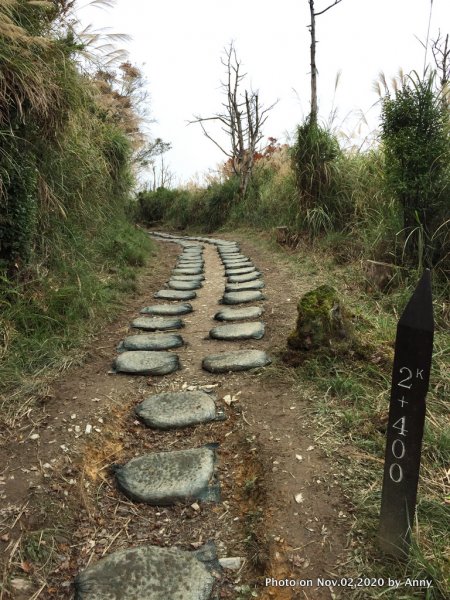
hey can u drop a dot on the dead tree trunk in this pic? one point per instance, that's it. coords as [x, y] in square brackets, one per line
[241, 119]
[312, 29]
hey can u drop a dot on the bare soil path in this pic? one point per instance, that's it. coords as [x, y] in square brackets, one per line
[281, 508]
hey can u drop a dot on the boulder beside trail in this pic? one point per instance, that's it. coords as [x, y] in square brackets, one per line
[321, 320]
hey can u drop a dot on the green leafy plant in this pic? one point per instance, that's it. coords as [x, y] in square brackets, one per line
[415, 135]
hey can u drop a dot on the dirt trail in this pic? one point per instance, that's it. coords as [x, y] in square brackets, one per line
[281, 507]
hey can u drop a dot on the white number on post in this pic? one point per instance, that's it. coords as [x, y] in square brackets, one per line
[395, 469]
[398, 449]
[402, 383]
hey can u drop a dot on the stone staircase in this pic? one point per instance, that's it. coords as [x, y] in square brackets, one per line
[178, 476]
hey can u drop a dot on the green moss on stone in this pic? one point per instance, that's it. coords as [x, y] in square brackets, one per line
[321, 319]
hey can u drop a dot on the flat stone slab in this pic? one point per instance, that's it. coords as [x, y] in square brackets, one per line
[149, 573]
[241, 287]
[239, 314]
[151, 341]
[188, 271]
[190, 264]
[156, 323]
[234, 256]
[238, 331]
[240, 360]
[237, 265]
[187, 277]
[184, 285]
[177, 409]
[235, 259]
[244, 277]
[167, 309]
[175, 295]
[241, 297]
[239, 271]
[164, 478]
[146, 362]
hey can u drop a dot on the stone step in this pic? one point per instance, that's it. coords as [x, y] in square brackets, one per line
[190, 264]
[242, 297]
[169, 410]
[146, 362]
[239, 360]
[150, 573]
[235, 257]
[175, 295]
[164, 478]
[232, 264]
[188, 271]
[243, 278]
[167, 309]
[184, 285]
[239, 314]
[188, 277]
[242, 271]
[157, 323]
[151, 341]
[242, 287]
[238, 331]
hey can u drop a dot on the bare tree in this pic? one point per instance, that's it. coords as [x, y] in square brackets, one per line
[441, 54]
[241, 118]
[312, 30]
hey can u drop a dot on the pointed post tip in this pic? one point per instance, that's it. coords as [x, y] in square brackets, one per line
[418, 313]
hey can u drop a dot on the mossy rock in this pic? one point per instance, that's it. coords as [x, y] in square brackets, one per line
[322, 321]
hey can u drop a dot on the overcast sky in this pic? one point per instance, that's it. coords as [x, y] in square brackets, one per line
[178, 45]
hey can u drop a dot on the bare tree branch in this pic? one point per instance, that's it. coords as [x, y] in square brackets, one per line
[242, 120]
[328, 8]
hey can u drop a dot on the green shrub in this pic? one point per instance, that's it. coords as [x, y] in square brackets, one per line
[415, 134]
[314, 153]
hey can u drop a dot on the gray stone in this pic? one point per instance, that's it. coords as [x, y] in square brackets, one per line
[167, 309]
[146, 363]
[244, 277]
[242, 287]
[239, 271]
[237, 265]
[151, 341]
[190, 257]
[191, 263]
[241, 297]
[188, 277]
[238, 331]
[149, 573]
[236, 257]
[174, 284]
[240, 360]
[156, 323]
[239, 314]
[188, 271]
[177, 409]
[164, 478]
[175, 295]
[232, 563]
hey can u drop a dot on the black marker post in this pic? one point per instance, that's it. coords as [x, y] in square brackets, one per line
[410, 377]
